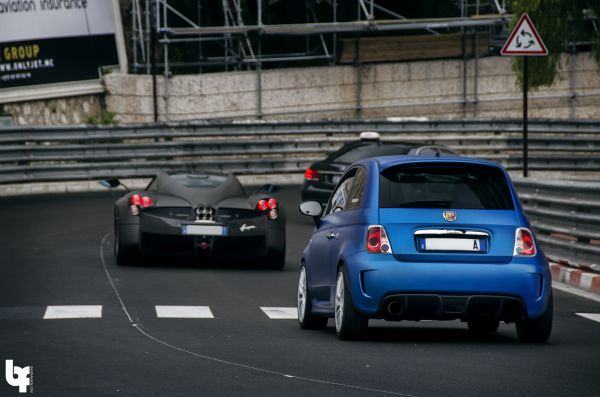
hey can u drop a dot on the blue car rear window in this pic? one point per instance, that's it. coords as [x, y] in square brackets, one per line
[444, 186]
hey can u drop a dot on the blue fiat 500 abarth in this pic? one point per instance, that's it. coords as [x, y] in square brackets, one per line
[424, 238]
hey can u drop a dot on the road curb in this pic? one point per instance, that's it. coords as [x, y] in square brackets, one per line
[586, 281]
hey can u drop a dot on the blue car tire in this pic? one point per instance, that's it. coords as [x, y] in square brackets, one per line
[306, 318]
[537, 330]
[349, 324]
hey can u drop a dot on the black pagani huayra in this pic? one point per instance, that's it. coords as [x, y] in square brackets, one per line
[206, 215]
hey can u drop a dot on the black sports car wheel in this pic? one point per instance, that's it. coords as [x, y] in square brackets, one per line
[306, 318]
[275, 259]
[537, 330]
[125, 252]
[349, 324]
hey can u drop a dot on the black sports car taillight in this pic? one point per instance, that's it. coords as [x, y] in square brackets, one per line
[137, 201]
[262, 205]
[269, 205]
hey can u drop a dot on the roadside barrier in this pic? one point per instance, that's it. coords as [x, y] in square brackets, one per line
[41, 154]
[565, 215]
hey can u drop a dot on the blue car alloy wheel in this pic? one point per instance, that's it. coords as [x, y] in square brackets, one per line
[424, 238]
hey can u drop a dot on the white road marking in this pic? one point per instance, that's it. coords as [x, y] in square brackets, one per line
[225, 362]
[281, 313]
[590, 316]
[183, 312]
[73, 311]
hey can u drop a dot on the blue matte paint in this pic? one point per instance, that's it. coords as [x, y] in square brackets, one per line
[411, 270]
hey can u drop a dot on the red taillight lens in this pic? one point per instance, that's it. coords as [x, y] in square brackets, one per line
[311, 175]
[377, 240]
[374, 240]
[146, 201]
[524, 244]
[136, 199]
[271, 203]
[262, 205]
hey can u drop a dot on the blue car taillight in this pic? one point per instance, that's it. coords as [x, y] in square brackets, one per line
[377, 240]
[524, 244]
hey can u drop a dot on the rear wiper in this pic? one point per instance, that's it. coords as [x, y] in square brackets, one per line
[425, 204]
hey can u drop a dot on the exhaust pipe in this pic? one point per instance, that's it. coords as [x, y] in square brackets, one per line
[395, 308]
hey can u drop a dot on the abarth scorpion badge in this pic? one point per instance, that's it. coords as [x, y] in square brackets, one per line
[450, 216]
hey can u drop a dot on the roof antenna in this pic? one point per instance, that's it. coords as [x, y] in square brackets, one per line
[437, 155]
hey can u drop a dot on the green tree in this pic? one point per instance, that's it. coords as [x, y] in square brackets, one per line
[559, 22]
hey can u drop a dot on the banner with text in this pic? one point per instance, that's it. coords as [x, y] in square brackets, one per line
[54, 41]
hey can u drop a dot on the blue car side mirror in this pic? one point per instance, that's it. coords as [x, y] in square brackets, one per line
[313, 209]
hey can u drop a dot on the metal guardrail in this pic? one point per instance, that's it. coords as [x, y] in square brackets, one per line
[566, 217]
[37, 154]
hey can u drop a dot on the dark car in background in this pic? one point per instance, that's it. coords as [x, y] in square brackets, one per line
[321, 177]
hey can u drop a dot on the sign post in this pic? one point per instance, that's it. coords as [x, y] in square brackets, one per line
[524, 41]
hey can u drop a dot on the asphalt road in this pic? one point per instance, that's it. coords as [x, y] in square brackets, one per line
[57, 250]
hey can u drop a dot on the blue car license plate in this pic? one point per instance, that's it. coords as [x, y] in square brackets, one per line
[452, 244]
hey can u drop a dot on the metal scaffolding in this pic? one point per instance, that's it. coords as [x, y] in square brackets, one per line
[240, 36]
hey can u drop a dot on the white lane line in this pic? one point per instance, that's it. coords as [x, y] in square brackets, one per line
[281, 313]
[140, 329]
[590, 316]
[183, 312]
[73, 311]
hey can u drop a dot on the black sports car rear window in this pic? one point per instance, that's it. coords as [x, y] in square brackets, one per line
[444, 186]
[201, 181]
[368, 150]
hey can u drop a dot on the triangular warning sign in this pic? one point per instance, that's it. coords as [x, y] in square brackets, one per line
[524, 40]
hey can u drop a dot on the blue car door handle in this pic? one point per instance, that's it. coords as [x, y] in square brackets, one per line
[333, 235]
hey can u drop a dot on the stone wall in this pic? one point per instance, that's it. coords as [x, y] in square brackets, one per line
[69, 110]
[433, 89]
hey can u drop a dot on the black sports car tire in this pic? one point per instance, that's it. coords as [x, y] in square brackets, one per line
[275, 260]
[349, 324]
[126, 251]
[483, 326]
[306, 319]
[537, 330]
[275, 257]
